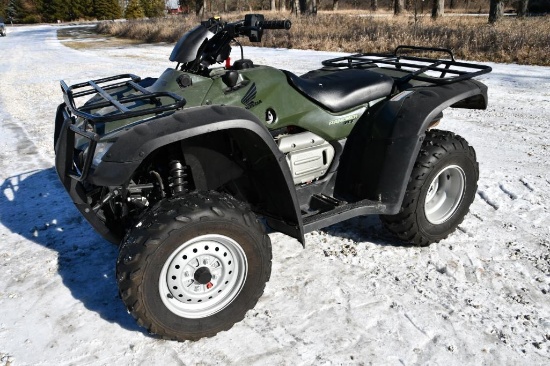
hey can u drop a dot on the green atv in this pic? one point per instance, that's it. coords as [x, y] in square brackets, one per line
[186, 171]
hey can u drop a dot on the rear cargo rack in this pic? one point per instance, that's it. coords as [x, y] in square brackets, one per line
[148, 102]
[436, 71]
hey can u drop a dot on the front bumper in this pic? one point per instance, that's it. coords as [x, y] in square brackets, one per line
[71, 179]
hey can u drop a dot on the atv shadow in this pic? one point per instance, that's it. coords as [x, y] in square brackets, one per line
[35, 206]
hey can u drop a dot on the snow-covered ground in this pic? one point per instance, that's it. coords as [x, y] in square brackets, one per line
[353, 296]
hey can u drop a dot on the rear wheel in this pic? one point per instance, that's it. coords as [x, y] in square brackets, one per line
[440, 191]
[194, 265]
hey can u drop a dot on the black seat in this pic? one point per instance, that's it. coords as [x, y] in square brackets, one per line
[341, 90]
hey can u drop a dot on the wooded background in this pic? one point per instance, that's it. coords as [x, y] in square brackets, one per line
[39, 11]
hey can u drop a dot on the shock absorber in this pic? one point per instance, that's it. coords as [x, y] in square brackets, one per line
[178, 175]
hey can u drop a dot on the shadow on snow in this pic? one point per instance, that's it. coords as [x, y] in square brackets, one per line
[365, 229]
[35, 206]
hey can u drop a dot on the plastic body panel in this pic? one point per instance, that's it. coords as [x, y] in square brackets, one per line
[272, 92]
[371, 174]
[381, 150]
[132, 146]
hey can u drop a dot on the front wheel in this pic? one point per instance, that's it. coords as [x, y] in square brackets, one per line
[194, 265]
[440, 191]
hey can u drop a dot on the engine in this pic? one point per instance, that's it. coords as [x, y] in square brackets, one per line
[308, 155]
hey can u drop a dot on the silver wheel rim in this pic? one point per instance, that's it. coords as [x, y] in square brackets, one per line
[445, 194]
[183, 284]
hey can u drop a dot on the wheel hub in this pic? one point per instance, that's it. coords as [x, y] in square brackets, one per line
[445, 194]
[203, 276]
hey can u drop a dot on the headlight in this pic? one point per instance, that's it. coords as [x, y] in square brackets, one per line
[100, 150]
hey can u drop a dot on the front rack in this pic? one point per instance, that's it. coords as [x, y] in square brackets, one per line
[150, 102]
[126, 99]
[436, 71]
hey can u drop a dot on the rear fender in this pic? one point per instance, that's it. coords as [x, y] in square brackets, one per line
[200, 131]
[381, 150]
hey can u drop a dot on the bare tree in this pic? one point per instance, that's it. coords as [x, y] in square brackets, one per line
[398, 7]
[438, 8]
[200, 7]
[302, 6]
[496, 10]
[295, 6]
[523, 5]
[374, 5]
[272, 5]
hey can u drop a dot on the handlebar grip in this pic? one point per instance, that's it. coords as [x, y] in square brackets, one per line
[275, 24]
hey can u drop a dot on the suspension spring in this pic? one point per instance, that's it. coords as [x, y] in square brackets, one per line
[178, 173]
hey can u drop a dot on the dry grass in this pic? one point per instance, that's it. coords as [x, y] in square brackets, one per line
[523, 41]
[84, 38]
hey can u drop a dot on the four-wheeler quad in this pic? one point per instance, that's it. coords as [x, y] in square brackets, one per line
[186, 170]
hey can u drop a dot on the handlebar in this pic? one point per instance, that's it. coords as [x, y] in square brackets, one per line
[216, 48]
[275, 24]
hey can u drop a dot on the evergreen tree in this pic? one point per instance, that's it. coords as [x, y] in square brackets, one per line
[80, 9]
[134, 10]
[106, 9]
[13, 11]
[53, 10]
[152, 8]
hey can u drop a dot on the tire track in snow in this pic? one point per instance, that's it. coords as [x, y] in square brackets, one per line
[487, 200]
[527, 184]
[508, 192]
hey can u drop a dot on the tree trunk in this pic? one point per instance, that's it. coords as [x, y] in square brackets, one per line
[398, 7]
[272, 5]
[409, 5]
[303, 6]
[200, 7]
[334, 5]
[314, 7]
[522, 8]
[438, 9]
[282, 5]
[374, 5]
[496, 10]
